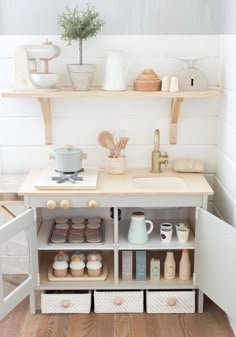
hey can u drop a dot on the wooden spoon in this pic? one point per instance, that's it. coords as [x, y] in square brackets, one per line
[105, 139]
[120, 146]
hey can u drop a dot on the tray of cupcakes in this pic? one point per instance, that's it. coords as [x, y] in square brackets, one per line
[77, 267]
[72, 231]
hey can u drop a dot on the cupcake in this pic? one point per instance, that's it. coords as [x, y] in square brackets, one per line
[63, 254]
[78, 253]
[77, 266]
[99, 257]
[94, 266]
[60, 267]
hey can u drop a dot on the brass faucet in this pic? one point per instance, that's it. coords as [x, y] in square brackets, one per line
[157, 157]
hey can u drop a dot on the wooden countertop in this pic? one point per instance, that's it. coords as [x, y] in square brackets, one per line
[124, 184]
[9, 186]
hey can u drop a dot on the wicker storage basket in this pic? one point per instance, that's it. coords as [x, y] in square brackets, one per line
[170, 301]
[118, 301]
[66, 303]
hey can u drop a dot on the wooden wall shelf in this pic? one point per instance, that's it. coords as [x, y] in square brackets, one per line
[44, 98]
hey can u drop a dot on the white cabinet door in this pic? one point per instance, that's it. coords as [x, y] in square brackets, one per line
[215, 262]
[18, 276]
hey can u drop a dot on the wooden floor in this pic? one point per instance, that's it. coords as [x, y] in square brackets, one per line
[20, 323]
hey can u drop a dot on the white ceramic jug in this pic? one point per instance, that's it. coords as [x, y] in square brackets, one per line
[138, 233]
[114, 78]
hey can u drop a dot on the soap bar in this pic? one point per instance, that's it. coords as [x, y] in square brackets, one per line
[188, 165]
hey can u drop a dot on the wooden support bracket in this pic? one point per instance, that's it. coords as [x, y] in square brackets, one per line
[7, 212]
[45, 104]
[175, 108]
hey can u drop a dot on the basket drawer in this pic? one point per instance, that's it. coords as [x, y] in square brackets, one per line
[170, 301]
[66, 302]
[118, 301]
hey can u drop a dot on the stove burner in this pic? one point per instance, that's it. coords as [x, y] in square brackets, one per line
[71, 177]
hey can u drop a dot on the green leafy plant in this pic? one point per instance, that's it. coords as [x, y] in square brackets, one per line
[78, 25]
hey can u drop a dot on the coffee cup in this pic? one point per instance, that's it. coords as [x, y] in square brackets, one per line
[166, 225]
[166, 234]
[182, 233]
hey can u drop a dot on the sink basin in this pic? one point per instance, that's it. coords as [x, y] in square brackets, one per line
[161, 184]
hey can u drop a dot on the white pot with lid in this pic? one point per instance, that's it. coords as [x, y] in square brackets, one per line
[68, 159]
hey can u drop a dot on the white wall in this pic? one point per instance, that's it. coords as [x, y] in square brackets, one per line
[225, 182]
[121, 16]
[78, 121]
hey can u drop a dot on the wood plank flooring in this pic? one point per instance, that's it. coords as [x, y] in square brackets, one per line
[20, 323]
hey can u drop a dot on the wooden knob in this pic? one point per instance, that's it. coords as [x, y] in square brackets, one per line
[171, 301]
[118, 300]
[92, 204]
[66, 303]
[65, 204]
[51, 204]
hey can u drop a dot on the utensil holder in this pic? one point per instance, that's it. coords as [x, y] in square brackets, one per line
[116, 165]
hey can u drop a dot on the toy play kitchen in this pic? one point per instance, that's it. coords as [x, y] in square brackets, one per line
[115, 199]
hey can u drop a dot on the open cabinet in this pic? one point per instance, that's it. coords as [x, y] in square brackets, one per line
[214, 273]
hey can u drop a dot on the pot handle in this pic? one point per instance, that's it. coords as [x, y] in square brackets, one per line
[84, 156]
[51, 156]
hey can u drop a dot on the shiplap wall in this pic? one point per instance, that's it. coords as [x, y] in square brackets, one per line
[225, 193]
[78, 121]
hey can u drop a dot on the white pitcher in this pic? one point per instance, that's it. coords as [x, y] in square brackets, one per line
[138, 233]
[114, 78]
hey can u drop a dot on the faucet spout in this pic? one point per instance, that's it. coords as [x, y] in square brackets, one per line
[157, 157]
[157, 140]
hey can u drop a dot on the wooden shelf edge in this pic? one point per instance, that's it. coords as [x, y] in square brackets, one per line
[70, 93]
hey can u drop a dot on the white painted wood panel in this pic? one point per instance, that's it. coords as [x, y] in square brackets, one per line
[215, 272]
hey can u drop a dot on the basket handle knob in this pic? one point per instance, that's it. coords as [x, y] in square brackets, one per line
[171, 301]
[118, 300]
[66, 303]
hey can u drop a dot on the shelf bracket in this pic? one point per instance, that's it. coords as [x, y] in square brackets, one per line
[45, 104]
[175, 108]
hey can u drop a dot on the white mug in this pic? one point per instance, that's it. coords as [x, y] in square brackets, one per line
[166, 234]
[182, 233]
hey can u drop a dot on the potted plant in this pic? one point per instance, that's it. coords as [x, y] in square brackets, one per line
[78, 25]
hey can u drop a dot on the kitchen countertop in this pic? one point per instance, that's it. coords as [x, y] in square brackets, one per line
[123, 184]
[9, 186]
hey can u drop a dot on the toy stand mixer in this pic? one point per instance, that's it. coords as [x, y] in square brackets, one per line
[26, 75]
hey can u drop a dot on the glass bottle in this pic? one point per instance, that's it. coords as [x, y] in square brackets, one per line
[169, 266]
[185, 266]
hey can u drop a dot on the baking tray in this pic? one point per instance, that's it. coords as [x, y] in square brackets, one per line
[73, 244]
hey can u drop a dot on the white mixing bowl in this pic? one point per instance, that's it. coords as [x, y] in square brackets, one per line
[45, 81]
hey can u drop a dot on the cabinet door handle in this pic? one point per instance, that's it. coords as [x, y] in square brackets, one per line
[118, 300]
[171, 301]
[51, 204]
[92, 204]
[65, 204]
[66, 303]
